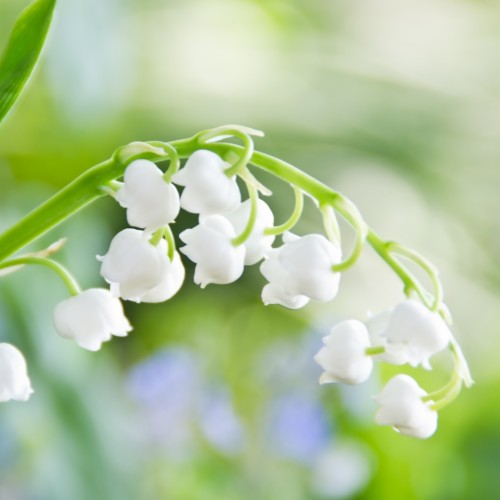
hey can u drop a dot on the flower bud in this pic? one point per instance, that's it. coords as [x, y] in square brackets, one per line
[343, 356]
[402, 407]
[14, 381]
[416, 333]
[133, 266]
[208, 190]
[91, 317]
[150, 201]
[258, 244]
[210, 246]
[301, 270]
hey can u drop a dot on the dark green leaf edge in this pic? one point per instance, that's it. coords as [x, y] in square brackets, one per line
[23, 50]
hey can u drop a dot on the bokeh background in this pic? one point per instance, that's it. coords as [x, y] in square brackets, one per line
[214, 396]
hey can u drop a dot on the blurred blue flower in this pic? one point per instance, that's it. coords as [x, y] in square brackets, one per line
[297, 427]
[219, 422]
[167, 386]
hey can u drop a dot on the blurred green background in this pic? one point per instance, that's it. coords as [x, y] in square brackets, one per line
[214, 396]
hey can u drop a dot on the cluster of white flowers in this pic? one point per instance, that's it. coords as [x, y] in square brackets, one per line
[410, 333]
[142, 264]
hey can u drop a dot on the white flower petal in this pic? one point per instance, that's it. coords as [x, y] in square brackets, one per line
[133, 266]
[90, 318]
[301, 267]
[208, 190]
[209, 245]
[416, 331]
[14, 381]
[343, 356]
[401, 407]
[150, 201]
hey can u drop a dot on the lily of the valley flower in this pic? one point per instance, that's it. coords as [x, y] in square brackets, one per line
[395, 354]
[138, 270]
[300, 270]
[258, 244]
[91, 318]
[150, 201]
[415, 333]
[170, 284]
[208, 190]
[14, 381]
[210, 246]
[343, 357]
[402, 407]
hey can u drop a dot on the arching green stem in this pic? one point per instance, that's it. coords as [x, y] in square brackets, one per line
[293, 219]
[170, 242]
[452, 393]
[156, 237]
[70, 282]
[173, 157]
[242, 133]
[360, 230]
[373, 351]
[253, 196]
[429, 269]
[331, 224]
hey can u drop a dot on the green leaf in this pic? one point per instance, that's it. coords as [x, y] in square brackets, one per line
[22, 51]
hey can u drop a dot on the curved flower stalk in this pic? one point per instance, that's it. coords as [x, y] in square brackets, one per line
[144, 265]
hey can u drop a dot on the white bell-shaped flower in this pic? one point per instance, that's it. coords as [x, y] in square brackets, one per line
[210, 246]
[14, 381]
[377, 326]
[416, 333]
[208, 190]
[300, 270]
[402, 407]
[151, 202]
[343, 357]
[133, 266]
[171, 282]
[91, 318]
[258, 244]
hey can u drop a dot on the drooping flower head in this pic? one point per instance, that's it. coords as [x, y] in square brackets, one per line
[210, 246]
[300, 270]
[343, 357]
[91, 318]
[14, 381]
[207, 188]
[402, 407]
[151, 202]
[138, 270]
[416, 333]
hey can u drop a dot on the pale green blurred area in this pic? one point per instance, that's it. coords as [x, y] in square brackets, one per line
[214, 396]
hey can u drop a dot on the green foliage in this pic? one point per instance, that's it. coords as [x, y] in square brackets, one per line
[22, 52]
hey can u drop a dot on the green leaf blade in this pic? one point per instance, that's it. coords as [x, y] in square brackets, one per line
[23, 49]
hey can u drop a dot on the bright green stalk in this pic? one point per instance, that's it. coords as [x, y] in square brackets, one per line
[63, 273]
[89, 186]
[241, 238]
[169, 237]
[293, 219]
